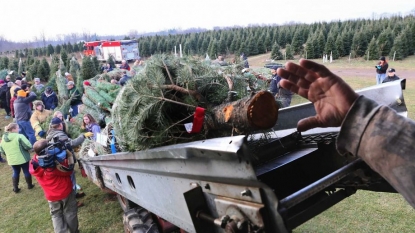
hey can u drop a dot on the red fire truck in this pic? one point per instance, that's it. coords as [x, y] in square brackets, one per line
[118, 49]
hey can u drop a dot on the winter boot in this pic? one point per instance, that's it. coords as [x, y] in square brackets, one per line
[29, 182]
[16, 184]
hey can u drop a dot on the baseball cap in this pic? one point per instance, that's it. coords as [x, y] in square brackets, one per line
[55, 121]
[275, 67]
[391, 70]
[70, 83]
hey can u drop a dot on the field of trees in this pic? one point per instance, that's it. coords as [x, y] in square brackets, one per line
[361, 38]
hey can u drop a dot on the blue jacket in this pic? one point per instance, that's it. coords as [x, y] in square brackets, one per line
[276, 89]
[50, 101]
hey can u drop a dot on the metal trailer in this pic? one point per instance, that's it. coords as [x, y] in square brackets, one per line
[222, 185]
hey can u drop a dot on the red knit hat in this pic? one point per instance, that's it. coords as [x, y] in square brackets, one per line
[86, 83]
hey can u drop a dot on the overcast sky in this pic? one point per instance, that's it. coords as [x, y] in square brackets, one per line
[23, 20]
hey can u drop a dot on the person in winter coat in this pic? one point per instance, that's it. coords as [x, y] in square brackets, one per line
[76, 97]
[14, 97]
[381, 69]
[90, 125]
[280, 93]
[3, 98]
[49, 99]
[124, 65]
[59, 115]
[16, 148]
[8, 98]
[39, 115]
[56, 131]
[391, 76]
[22, 112]
[57, 188]
[38, 86]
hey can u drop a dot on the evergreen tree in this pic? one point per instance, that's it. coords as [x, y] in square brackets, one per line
[267, 43]
[96, 64]
[110, 61]
[16, 54]
[64, 57]
[372, 52]
[276, 52]
[297, 42]
[14, 65]
[309, 49]
[5, 63]
[213, 49]
[33, 68]
[50, 50]
[69, 47]
[398, 48]
[252, 47]
[330, 47]
[340, 46]
[58, 49]
[75, 69]
[288, 52]
[43, 70]
[145, 49]
[88, 70]
[320, 44]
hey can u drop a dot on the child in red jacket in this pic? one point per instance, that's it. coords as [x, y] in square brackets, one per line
[57, 187]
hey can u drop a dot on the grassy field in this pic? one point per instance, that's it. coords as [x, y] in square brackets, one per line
[363, 212]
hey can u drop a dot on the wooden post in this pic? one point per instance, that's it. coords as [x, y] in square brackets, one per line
[350, 55]
[394, 53]
[368, 55]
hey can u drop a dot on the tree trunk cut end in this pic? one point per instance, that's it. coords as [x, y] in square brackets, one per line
[263, 110]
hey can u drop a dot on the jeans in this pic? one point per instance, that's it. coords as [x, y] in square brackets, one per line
[27, 130]
[380, 78]
[64, 214]
[74, 110]
[24, 167]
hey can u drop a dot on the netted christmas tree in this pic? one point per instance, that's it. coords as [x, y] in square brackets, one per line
[154, 107]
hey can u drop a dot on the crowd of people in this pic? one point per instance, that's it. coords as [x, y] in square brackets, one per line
[26, 135]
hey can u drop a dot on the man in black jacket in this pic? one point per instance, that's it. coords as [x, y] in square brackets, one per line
[391, 76]
[5, 103]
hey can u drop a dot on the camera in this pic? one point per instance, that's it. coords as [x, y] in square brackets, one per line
[55, 151]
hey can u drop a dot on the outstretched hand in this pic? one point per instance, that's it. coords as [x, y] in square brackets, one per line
[331, 96]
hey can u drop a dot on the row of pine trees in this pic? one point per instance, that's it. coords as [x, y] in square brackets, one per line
[358, 38]
[393, 37]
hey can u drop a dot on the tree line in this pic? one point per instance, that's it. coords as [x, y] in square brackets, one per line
[358, 38]
[368, 38]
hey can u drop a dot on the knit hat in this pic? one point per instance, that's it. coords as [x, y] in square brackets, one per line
[382, 58]
[21, 93]
[86, 83]
[1, 81]
[55, 121]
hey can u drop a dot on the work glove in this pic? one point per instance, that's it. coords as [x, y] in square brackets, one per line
[88, 134]
[70, 110]
[41, 134]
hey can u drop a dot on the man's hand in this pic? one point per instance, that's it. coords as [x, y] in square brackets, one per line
[88, 134]
[331, 96]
